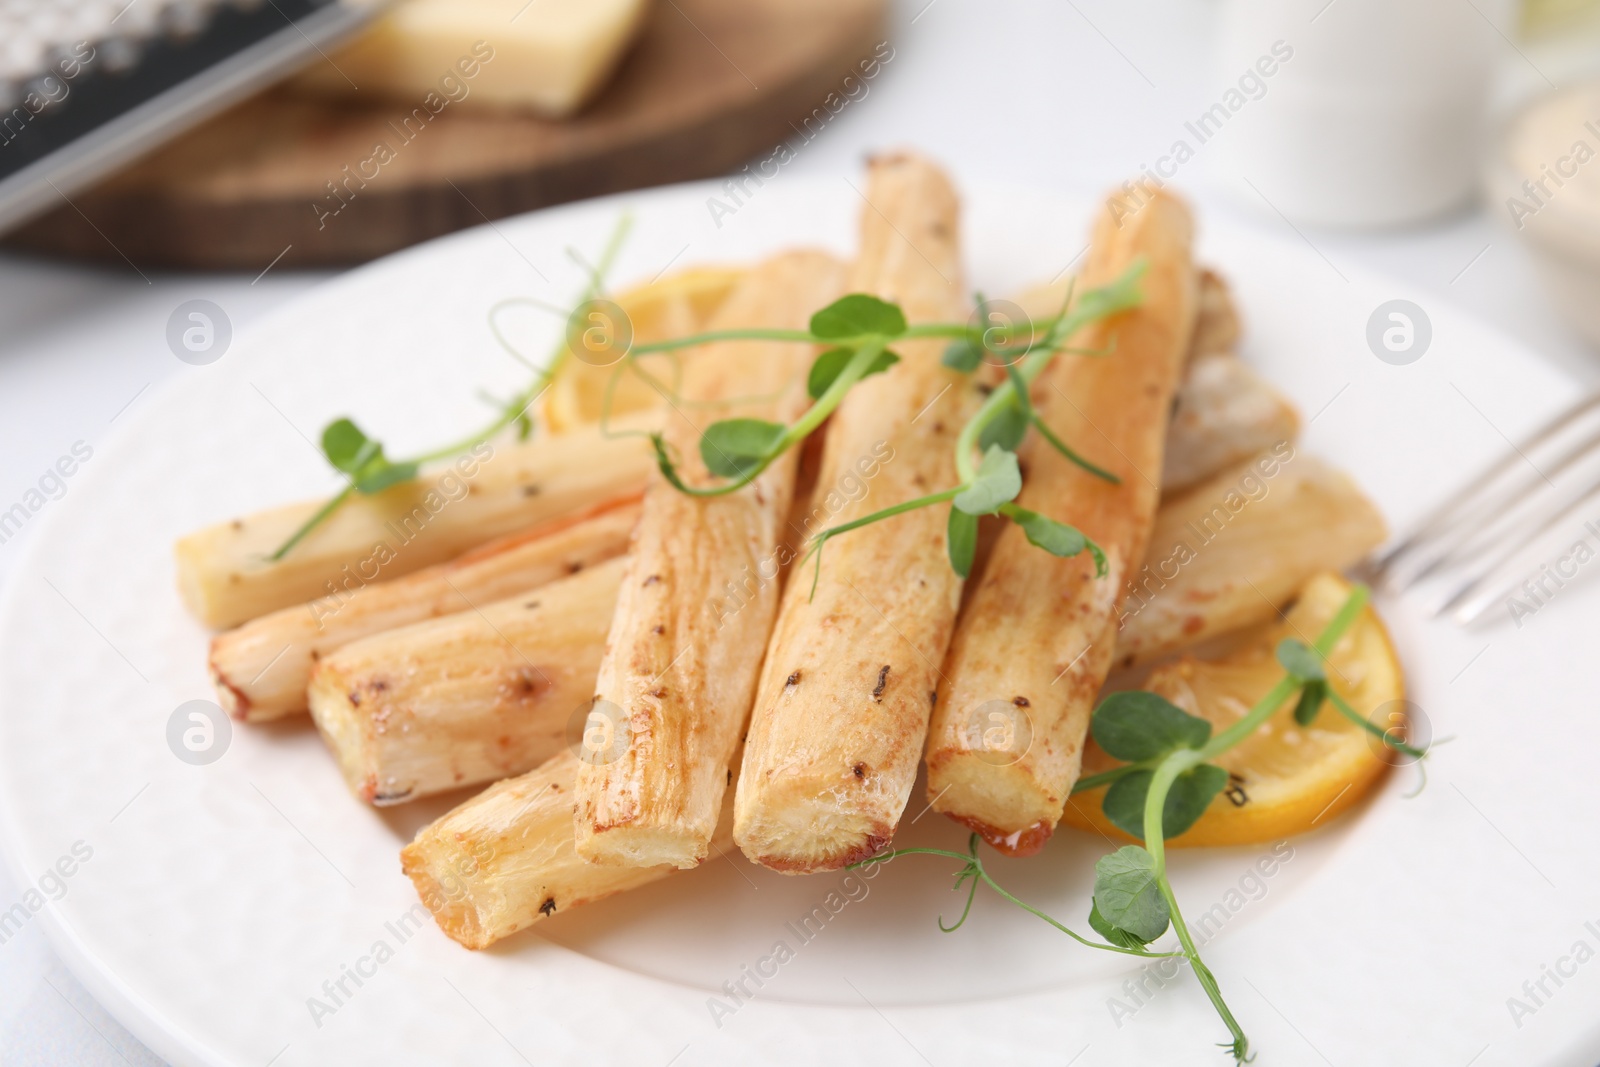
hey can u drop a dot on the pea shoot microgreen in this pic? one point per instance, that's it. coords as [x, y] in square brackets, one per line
[986, 459]
[856, 333]
[361, 459]
[1165, 784]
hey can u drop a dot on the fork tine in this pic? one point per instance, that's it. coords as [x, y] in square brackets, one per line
[1483, 588]
[1468, 496]
[1485, 528]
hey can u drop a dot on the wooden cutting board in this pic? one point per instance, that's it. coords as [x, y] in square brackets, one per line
[708, 86]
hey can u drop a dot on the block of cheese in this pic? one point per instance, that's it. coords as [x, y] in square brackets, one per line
[549, 56]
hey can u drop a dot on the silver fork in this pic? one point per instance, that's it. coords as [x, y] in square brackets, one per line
[1477, 541]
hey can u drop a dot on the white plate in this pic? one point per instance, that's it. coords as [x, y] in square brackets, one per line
[219, 898]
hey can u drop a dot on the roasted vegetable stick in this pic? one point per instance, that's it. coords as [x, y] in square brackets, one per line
[468, 698]
[505, 859]
[1037, 636]
[262, 668]
[682, 657]
[1216, 320]
[843, 702]
[1224, 413]
[226, 577]
[1229, 553]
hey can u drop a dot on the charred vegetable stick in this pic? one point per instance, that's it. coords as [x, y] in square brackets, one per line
[683, 655]
[505, 859]
[261, 669]
[1037, 636]
[468, 698]
[226, 577]
[843, 702]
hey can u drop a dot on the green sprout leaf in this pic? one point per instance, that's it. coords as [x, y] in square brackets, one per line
[347, 447]
[1113, 935]
[1311, 698]
[856, 315]
[1300, 660]
[353, 453]
[1056, 538]
[1124, 802]
[1010, 423]
[384, 475]
[831, 364]
[1191, 794]
[1006, 430]
[1135, 726]
[1127, 893]
[962, 355]
[1187, 800]
[962, 541]
[997, 482]
[733, 447]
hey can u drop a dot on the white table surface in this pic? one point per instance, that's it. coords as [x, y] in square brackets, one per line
[1073, 94]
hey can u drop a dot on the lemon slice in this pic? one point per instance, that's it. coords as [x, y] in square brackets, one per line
[674, 306]
[1285, 778]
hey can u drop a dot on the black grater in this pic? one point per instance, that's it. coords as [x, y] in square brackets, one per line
[88, 85]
